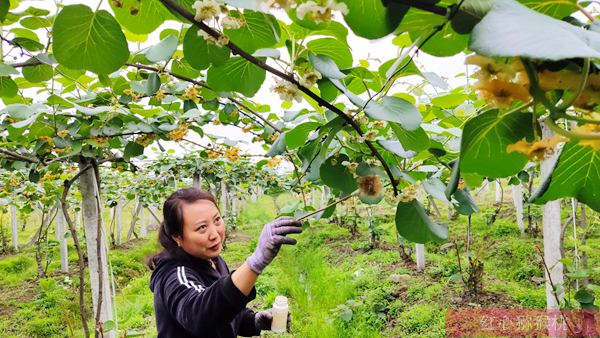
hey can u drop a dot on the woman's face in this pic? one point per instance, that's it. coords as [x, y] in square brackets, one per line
[203, 229]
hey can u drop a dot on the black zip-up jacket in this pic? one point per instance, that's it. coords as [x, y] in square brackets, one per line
[191, 299]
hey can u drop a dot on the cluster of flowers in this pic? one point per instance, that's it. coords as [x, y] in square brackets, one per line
[273, 162]
[101, 141]
[289, 92]
[49, 176]
[209, 9]
[178, 133]
[135, 97]
[320, 12]
[191, 93]
[145, 139]
[232, 154]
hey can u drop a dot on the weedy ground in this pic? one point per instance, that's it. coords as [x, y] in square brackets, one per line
[338, 284]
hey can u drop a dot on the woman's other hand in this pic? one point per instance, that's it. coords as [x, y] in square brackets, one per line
[263, 320]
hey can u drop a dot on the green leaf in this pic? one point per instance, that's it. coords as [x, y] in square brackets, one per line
[449, 101]
[435, 187]
[329, 28]
[556, 9]
[333, 49]
[147, 112]
[35, 22]
[576, 174]
[236, 74]
[132, 149]
[403, 67]
[484, 141]
[337, 176]
[584, 296]
[371, 19]
[325, 66]
[182, 67]
[298, 136]
[108, 325]
[413, 223]
[395, 109]
[200, 53]
[139, 17]
[416, 140]
[89, 40]
[260, 31]
[446, 42]
[6, 70]
[511, 29]
[469, 14]
[463, 202]
[278, 147]
[396, 148]
[327, 90]
[4, 7]
[152, 84]
[8, 87]
[38, 73]
[454, 179]
[30, 45]
[162, 50]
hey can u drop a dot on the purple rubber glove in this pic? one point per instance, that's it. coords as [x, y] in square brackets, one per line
[263, 320]
[270, 240]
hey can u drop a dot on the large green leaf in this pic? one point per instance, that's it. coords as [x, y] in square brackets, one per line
[163, 49]
[556, 9]
[371, 19]
[298, 136]
[484, 141]
[511, 29]
[337, 176]
[37, 73]
[333, 49]
[8, 87]
[199, 53]
[139, 17]
[238, 75]
[260, 31]
[416, 140]
[329, 28]
[576, 174]
[89, 40]
[413, 223]
[395, 109]
[420, 24]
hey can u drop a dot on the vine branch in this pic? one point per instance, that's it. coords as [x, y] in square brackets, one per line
[171, 4]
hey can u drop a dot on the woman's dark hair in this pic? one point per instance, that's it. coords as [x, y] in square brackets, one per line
[172, 224]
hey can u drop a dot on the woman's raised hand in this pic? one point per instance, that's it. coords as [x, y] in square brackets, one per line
[271, 238]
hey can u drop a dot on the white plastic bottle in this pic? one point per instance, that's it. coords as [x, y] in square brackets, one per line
[280, 313]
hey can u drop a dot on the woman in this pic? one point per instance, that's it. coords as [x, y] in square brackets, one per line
[195, 295]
